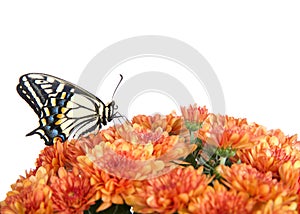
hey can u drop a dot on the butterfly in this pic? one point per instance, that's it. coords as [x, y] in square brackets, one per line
[64, 109]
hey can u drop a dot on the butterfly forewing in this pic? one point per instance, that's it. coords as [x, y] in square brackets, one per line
[65, 110]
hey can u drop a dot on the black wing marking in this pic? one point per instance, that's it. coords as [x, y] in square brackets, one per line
[65, 110]
[35, 90]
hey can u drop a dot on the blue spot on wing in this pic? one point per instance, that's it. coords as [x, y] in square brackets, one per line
[61, 102]
[50, 119]
[54, 110]
[53, 133]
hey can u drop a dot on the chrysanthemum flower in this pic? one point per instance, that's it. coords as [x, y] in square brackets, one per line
[279, 205]
[125, 164]
[71, 191]
[218, 199]
[282, 138]
[141, 158]
[271, 152]
[146, 129]
[138, 134]
[168, 193]
[172, 124]
[139, 161]
[29, 195]
[194, 116]
[228, 132]
[272, 196]
[245, 178]
[298, 203]
[110, 189]
[59, 155]
[289, 174]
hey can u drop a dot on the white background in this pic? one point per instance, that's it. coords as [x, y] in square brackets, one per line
[253, 47]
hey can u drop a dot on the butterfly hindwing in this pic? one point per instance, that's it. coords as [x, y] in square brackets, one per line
[64, 109]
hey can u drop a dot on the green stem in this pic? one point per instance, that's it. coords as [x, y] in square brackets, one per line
[222, 160]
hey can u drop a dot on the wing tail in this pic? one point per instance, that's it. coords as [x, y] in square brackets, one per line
[39, 131]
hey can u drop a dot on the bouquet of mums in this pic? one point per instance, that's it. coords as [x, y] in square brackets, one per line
[198, 162]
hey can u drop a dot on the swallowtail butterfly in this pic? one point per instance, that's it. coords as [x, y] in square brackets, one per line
[64, 109]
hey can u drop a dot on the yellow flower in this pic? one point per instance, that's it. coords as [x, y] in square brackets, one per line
[168, 193]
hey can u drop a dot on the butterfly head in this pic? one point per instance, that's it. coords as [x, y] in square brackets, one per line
[111, 108]
[111, 111]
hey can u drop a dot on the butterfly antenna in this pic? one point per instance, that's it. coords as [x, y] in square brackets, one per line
[117, 85]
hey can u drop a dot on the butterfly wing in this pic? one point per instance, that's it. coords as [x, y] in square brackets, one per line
[64, 109]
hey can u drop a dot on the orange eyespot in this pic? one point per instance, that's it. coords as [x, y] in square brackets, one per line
[60, 116]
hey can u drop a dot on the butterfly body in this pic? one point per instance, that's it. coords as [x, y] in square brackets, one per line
[64, 109]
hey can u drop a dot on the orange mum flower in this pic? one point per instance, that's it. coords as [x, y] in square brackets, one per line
[218, 199]
[168, 193]
[59, 155]
[194, 113]
[228, 132]
[125, 164]
[110, 189]
[172, 124]
[245, 178]
[270, 153]
[282, 138]
[279, 205]
[138, 134]
[289, 174]
[146, 129]
[135, 157]
[29, 195]
[72, 191]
